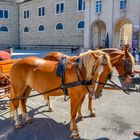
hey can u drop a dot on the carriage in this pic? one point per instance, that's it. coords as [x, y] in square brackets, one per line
[5, 65]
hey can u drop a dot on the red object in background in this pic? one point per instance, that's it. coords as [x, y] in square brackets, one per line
[4, 55]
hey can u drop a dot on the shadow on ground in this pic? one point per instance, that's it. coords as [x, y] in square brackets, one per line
[41, 129]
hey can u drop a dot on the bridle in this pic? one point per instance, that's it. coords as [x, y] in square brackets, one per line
[127, 66]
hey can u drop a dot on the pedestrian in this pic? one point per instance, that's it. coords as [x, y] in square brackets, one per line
[134, 80]
[10, 49]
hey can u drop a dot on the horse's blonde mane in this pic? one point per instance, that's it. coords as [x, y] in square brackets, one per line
[91, 63]
[85, 59]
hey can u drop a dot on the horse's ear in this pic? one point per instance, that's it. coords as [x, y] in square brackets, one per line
[127, 49]
[115, 59]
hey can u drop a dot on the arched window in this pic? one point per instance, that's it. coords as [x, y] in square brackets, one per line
[41, 28]
[59, 26]
[81, 25]
[26, 29]
[3, 29]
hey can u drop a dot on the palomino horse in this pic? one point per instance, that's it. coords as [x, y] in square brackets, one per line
[119, 60]
[26, 73]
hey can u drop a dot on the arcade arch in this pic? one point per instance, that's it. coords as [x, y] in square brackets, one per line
[98, 34]
[122, 33]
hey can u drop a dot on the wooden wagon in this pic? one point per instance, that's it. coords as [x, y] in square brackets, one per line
[5, 67]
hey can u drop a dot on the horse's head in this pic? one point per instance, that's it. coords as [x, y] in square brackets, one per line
[103, 75]
[92, 61]
[123, 62]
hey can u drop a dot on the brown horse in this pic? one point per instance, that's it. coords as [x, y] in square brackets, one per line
[118, 60]
[26, 73]
[122, 61]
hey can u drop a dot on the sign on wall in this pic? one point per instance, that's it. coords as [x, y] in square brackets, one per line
[135, 36]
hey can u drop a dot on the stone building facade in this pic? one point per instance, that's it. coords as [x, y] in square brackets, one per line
[117, 19]
[45, 23]
[89, 23]
[67, 22]
[9, 24]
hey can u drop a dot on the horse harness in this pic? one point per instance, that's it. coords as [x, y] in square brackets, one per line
[127, 66]
[61, 73]
[64, 86]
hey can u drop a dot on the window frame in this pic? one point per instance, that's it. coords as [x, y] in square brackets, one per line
[59, 3]
[59, 29]
[101, 10]
[24, 29]
[39, 26]
[83, 6]
[4, 31]
[25, 10]
[123, 5]
[78, 24]
[4, 14]
[41, 11]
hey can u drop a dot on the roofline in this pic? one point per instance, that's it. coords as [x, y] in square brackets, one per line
[24, 1]
[8, 1]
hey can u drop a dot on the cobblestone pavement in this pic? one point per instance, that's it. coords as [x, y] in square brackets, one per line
[118, 116]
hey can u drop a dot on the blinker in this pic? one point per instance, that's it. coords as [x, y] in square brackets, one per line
[127, 66]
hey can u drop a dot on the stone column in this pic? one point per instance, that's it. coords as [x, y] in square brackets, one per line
[87, 31]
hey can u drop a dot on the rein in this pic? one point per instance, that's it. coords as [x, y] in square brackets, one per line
[65, 86]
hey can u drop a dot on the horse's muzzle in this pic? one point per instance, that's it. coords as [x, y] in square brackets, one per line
[124, 84]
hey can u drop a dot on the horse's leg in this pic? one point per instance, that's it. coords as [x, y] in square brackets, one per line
[80, 117]
[16, 119]
[47, 98]
[90, 108]
[74, 103]
[14, 107]
[25, 115]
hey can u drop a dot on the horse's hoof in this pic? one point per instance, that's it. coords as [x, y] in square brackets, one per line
[92, 115]
[50, 110]
[80, 118]
[29, 121]
[19, 126]
[77, 136]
